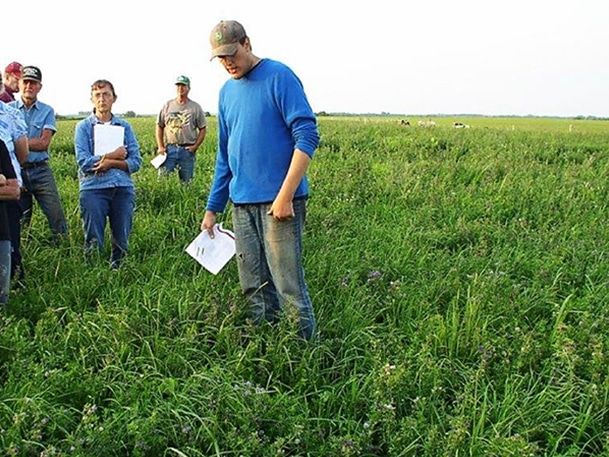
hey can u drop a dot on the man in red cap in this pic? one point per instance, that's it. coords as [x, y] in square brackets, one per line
[12, 74]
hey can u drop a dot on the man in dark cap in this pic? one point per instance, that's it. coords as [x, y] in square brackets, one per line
[37, 176]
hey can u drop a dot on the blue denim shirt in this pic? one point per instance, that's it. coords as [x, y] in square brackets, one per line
[38, 117]
[12, 127]
[86, 158]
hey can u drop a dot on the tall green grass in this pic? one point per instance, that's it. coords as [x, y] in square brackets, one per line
[460, 280]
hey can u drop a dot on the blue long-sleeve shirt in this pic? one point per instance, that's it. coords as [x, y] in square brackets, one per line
[262, 118]
[12, 128]
[86, 158]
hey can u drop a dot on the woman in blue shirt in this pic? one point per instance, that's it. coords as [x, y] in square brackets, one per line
[106, 187]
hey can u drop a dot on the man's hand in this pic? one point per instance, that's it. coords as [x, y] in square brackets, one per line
[101, 166]
[208, 222]
[281, 209]
[161, 150]
[10, 190]
[114, 159]
[119, 153]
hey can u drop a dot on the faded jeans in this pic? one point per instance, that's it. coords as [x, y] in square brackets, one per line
[40, 183]
[182, 158]
[269, 259]
[13, 211]
[117, 205]
[5, 270]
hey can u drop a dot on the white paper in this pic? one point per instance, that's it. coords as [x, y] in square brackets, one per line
[213, 253]
[107, 138]
[158, 160]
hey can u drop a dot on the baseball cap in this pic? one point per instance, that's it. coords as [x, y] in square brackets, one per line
[183, 80]
[225, 37]
[14, 68]
[31, 72]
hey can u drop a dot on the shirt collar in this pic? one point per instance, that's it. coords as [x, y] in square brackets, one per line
[94, 120]
[19, 103]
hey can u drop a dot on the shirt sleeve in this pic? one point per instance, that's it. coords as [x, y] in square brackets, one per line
[50, 121]
[219, 193]
[160, 118]
[6, 167]
[134, 158]
[201, 120]
[297, 112]
[83, 147]
[19, 126]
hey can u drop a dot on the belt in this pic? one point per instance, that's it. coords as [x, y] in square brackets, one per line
[29, 165]
[182, 145]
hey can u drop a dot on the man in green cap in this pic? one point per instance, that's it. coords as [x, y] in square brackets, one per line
[267, 135]
[180, 130]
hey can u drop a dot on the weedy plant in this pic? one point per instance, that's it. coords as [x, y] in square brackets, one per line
[460, 280]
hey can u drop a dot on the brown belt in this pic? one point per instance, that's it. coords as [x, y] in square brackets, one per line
[29, 165]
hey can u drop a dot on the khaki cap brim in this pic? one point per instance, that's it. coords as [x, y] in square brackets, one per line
[224, 50]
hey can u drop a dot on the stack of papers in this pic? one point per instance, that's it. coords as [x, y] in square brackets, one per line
[158, 160]
[213, 253]
[107, 138]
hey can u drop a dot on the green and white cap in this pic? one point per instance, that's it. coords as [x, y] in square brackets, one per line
[183, 80]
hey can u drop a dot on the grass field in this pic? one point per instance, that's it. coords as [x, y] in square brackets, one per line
[460, 280]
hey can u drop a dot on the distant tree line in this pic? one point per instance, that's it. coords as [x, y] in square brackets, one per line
[131, 113]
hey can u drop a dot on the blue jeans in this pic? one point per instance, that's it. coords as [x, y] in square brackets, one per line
[5, 270]
[117, 204]
[39, 182]
[183, 159]
[269, 259]
[13, 211]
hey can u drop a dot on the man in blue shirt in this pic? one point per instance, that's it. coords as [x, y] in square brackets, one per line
[13, 132]
[267, 135]
[37, 176]
[9, 191]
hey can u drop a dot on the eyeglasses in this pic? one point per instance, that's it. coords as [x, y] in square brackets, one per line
[99, 95]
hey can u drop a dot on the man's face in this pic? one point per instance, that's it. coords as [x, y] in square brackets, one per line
[182, 89]
[29, 88]
[11, 81]
[240, 63]
[103, 99]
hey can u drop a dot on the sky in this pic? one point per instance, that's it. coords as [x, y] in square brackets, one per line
[491, 57]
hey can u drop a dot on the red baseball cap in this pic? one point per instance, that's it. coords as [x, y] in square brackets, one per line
[14, 68]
